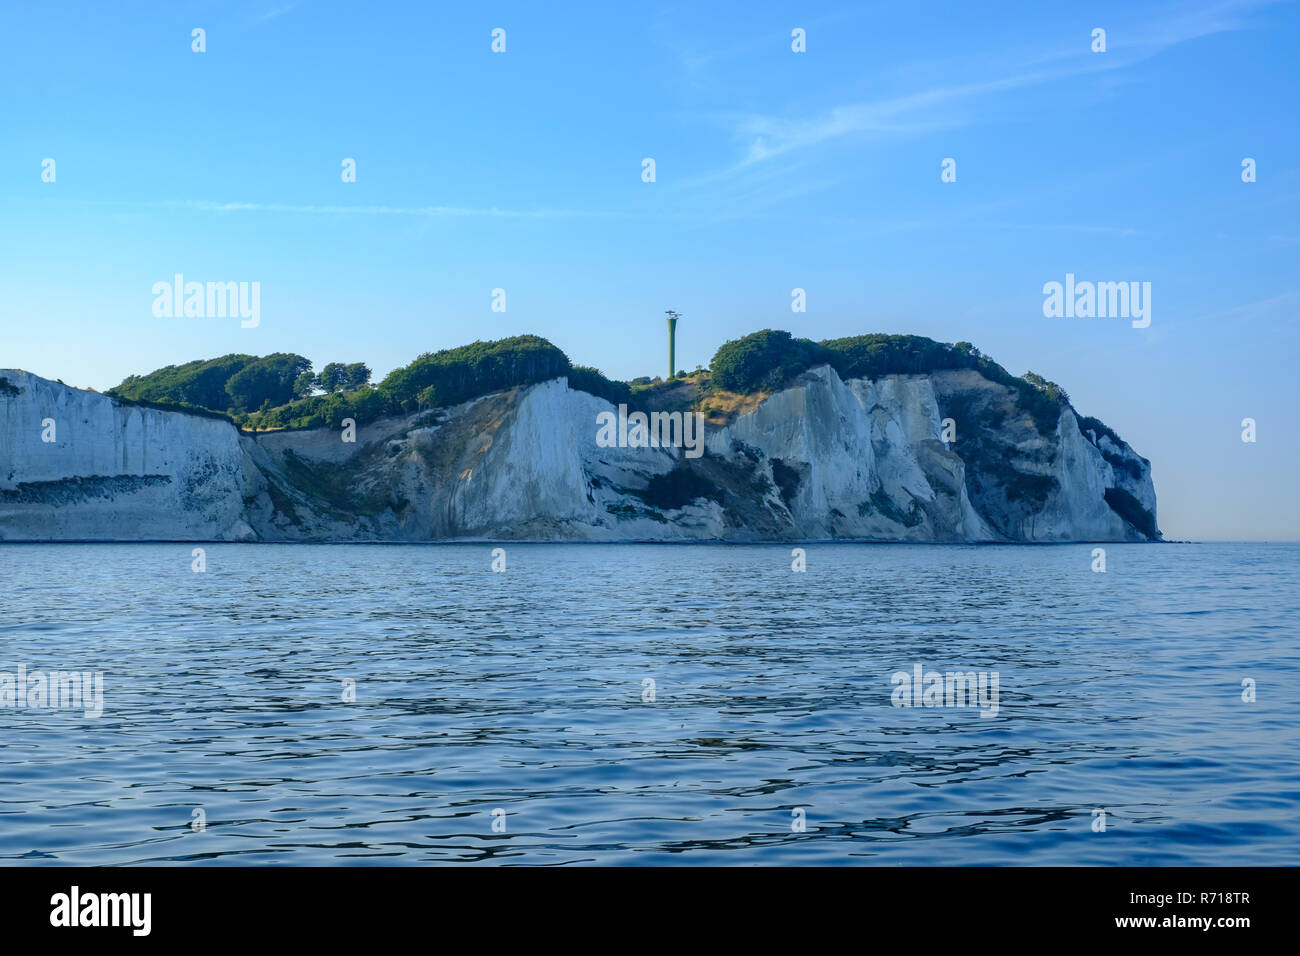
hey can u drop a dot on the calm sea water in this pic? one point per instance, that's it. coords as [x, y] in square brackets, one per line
[523, 692]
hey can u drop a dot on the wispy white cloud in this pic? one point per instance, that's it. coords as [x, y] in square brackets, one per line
[772, 136]
[767, 137]
[1281, 306]
[697, 54]
[275, 12]
[428, 212]
[1120, 231]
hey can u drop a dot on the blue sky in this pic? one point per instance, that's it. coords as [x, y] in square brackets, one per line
[775, 170]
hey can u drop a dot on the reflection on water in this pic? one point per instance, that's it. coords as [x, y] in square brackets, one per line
[223, 692]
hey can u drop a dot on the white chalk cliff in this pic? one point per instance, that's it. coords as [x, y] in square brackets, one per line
[821, 459]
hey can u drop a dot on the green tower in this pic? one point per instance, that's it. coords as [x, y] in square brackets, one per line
[672, 342]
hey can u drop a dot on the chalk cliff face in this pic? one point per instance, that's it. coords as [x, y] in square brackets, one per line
[823, 458]
[111, 471]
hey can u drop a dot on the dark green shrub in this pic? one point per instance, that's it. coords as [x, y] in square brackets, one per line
[200, 383]
[764, 361]
[678, 488]
[456, 375]
[584, 378]
[268, 381]
[1131, 510]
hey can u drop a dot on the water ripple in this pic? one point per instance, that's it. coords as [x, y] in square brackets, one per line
[523, 691]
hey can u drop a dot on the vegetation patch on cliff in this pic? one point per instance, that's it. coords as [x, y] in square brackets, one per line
[335, 485]
[1131, 510]
[771, 359]
[881, 503]
[765, 361]
[678, 488]
[1095, 430]
[280, 391]
[584, 378]
[452, 376]
[1098, 428]
[231, 384]
[66, 491]
[787, 479]
[998, 489]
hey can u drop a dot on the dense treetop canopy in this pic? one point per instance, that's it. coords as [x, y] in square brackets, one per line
[282, 391]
